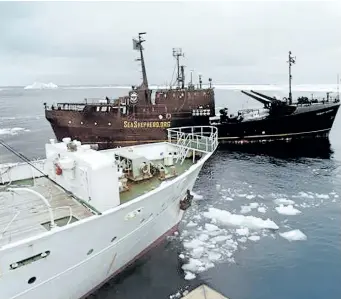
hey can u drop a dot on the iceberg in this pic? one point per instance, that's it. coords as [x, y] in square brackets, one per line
[39, 85]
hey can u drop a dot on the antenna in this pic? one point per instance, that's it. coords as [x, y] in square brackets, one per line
[177, 53]
[338, 83]
[137, 45]
[292, 60]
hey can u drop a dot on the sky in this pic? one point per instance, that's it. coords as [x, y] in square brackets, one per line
[90, 43]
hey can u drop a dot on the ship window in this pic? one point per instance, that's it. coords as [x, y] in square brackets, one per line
[95, 123]
[109, 124]
[69, 121]
[90, 251]
[195, 94]
[98, 108]
[81, 122]
[104, 109]
[32, 280]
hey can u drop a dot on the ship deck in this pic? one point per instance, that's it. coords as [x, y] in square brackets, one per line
[204, 292]
[139, 188]
[23, 214]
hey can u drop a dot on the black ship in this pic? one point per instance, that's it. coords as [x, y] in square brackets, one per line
[144, 115]
[278, 120]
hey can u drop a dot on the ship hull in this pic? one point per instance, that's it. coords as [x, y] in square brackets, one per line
[85, 254]
[313, 121]
[109, 131]
[304, 123]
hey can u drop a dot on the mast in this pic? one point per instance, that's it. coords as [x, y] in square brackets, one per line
[137, 45]
[291, 61]
[338, 82]
[177, 53]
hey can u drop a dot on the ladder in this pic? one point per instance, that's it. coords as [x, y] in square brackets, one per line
[184, 145]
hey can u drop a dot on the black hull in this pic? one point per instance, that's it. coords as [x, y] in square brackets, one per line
[306, 123]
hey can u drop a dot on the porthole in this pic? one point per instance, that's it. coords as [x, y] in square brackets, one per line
[81, 122]
[69, 121]
[109, 124]
[32, 280]
[95, 124]
[90, 251]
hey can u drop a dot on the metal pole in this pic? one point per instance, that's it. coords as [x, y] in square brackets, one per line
[53, 225]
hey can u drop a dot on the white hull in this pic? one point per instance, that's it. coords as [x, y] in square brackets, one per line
[69, 272]
[71, 260]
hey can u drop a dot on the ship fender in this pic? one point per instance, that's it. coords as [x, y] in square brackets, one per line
[168, 116]
[187, 201]
[58, 169]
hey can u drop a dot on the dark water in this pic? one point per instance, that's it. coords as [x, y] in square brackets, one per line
[266, 266]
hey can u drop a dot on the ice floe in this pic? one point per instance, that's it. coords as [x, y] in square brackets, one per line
[294, 235]
[226, 218]
[287, 210]
[12, 131]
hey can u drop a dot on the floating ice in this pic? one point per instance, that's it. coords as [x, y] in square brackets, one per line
[303, 194]
[242, 231]
[324, 196]
[189, 275]
[196, 196]
[211, 227]
[254, 238]
[294, 235]
[40, 85]
[247, 209]
[191, 224]
[284, 201]
[261, 210]
[287, 210]
[227, 198]
[12, 131]
[228, 219]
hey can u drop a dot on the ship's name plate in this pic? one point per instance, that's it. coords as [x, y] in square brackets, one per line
[146, 124]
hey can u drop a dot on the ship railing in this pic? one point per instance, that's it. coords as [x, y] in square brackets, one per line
[199, 138]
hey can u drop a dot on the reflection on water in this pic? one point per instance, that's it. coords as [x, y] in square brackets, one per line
[318, 148]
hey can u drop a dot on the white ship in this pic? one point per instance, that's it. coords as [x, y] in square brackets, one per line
[65, 233]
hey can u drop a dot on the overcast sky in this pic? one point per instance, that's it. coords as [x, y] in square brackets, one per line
[232, 42]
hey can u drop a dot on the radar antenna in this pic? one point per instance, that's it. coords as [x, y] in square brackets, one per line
[137, 45]
[177, 53]
[292, 60]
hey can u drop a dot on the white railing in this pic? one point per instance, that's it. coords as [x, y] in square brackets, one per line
[199, 138]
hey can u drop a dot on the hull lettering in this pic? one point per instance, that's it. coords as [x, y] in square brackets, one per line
[146, 124]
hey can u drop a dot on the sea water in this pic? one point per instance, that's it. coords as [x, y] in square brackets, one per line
[265, 223]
